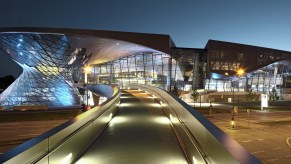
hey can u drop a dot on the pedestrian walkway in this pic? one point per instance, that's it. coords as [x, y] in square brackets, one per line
[139, 133]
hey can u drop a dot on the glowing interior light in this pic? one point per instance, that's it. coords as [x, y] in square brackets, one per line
[118, 120]
[67, 159]
[110, 116]
[162, 120]
[232, 123]
[18, 45]
[161, 102]
[194, 160]
[128, 88]
[20, 39]
[126, 105]
[87, 69]
[171, 117]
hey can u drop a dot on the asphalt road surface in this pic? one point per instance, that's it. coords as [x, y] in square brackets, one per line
[266, 135]
[15, 133]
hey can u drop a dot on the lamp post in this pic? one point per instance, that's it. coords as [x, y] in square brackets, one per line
[240, 72]
[87, 70]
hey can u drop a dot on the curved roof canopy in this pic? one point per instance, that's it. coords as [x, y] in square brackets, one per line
[105, 46]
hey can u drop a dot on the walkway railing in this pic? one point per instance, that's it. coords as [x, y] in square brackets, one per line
[67, 142]
[201, 140]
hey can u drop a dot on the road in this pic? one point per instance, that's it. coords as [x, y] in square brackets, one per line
[15, 133]
[267, 135]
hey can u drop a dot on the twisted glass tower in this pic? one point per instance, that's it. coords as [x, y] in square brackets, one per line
[47, 65]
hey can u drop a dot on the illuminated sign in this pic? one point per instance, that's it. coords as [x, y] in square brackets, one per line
[264, 101]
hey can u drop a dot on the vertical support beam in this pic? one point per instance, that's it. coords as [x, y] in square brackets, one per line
[257, 85]
[270, 78]
[153, 66]
[163, 80]
[95, 81]
[170, 73]
[111, 74]
[264, 77]
[176, 65]
[195, 73]
[135, 69]
[86, 78]
[120, 73]
[284, 80]
[114, 72]
[144, 68]
[128, 76]
[275, 74]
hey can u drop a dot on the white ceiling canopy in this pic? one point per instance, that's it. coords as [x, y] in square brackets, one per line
[104, 50]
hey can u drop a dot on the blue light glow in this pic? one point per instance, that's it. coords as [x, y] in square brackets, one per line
[216, 76]
[38, 84]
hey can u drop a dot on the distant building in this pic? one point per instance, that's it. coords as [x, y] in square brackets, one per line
[53, 60]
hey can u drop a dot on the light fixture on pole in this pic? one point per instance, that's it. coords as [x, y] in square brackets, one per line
[240, 72]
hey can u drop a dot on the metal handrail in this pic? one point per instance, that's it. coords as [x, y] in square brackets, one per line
[223, 149]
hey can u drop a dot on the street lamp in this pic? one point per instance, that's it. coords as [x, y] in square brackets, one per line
[240, 72]
[87, 70]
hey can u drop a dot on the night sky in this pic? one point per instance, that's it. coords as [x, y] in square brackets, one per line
[190, 23]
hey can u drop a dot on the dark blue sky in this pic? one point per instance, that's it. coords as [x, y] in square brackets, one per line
[190, 23]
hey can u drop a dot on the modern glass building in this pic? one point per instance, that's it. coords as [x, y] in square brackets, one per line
[53, 62]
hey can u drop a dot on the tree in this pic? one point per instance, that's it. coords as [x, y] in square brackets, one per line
[250, 96]
[273, 95]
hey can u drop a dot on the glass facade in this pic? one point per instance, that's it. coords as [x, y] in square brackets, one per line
[141, 68]
[48, 64]
[264, 68]
[157, 69]
[53, 63]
